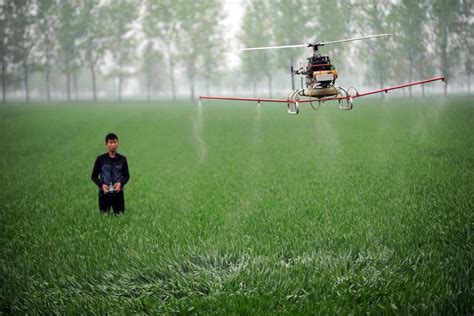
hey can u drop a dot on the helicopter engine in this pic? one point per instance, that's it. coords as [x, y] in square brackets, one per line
[320, 77]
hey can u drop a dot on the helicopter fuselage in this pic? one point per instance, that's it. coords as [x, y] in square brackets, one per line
[320, 77]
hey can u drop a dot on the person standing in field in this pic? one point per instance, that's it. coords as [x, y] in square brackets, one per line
[110, 174]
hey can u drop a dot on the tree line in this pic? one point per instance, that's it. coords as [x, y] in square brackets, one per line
[125, 37]
[431, 37]
[181, 42]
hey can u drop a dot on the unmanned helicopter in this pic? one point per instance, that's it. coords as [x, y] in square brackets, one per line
[320, 79]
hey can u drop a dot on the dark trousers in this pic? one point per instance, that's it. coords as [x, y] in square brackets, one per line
[115, 201]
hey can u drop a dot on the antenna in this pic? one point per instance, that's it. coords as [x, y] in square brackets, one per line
[292, 78]
[301, 77]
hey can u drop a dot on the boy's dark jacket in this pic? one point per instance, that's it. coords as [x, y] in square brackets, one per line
[110, 170]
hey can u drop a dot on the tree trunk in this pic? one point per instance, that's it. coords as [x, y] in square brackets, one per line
[410, 92]
[191, 70]
[468, 84]
[46, 79]
[192, 84]
[173, 86]
[120, 77]
[148, 87]
[47, 68]
[444, 57]
[4, 82]
[207, 86]
[171, 65]
[74, 79]
[423, 77]
[119, 90]
[270, 87]
[68, 85]
[25, 80]
[381, 81]
[94, 87]
[410, 74]
[68, 81]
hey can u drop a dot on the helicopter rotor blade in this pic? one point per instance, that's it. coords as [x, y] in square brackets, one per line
[274, 47]
[355, 39]
[317, 44]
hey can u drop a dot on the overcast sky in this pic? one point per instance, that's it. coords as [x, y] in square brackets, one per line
[234, 10]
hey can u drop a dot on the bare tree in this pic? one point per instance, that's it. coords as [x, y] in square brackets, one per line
[92, 40]
[121, 43]
[152, 59]
[46, 46]
[67, 33]
[467, 42]
[6, 37]
[410, 18]
[375, 17]
[24, 39]
[256, 32]
[160, 26]
[447, 17]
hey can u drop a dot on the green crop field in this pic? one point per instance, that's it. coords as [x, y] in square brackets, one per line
[235, 210]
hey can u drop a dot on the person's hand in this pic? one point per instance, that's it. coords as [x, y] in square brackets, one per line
[105, 188]
[117, 186]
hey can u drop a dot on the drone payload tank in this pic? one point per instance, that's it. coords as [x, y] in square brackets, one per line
[320, 92]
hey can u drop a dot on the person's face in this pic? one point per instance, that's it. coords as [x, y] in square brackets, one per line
[112, 145]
